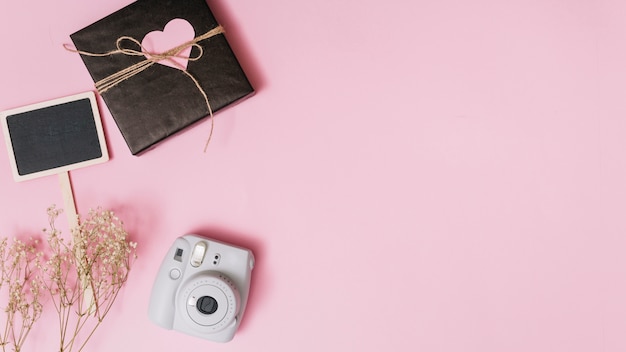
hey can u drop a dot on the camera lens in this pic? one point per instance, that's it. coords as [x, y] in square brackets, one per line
[206, 305]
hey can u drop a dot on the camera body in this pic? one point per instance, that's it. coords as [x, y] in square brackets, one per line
[202, 288]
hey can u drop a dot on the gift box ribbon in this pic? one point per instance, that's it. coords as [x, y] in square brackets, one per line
[151, 58]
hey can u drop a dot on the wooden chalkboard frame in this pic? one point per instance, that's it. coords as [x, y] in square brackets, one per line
[95, 115]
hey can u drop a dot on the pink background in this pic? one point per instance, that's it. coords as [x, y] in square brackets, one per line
[411, 175]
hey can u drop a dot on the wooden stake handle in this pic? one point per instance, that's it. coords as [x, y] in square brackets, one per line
[69, 207]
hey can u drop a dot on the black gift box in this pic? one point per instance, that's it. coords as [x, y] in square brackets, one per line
[161, 100]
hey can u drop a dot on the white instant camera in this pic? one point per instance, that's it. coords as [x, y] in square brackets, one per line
[202, 288]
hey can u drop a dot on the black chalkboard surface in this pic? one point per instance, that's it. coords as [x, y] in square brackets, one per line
[54, 136]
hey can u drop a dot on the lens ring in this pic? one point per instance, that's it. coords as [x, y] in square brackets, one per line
[218, 287]
[224, 307]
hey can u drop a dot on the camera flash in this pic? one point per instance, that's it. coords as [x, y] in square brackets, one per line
[197, 257]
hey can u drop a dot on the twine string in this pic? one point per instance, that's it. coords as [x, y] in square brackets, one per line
[170, 55]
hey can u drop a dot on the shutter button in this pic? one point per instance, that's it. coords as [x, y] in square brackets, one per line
[174, 274]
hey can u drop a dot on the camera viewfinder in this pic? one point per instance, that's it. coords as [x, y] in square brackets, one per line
[178, 256]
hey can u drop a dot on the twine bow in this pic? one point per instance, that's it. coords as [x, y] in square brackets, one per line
[152, 58]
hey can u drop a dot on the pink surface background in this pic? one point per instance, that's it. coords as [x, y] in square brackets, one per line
[411, 175]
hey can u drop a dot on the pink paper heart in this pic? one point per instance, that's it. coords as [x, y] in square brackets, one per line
[175, 33]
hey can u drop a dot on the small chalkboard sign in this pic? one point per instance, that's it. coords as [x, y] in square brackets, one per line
[54, 136]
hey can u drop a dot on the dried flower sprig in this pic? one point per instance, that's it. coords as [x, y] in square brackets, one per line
[85, 274]
[19, 264]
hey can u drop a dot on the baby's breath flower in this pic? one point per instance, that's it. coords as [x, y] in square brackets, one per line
[86, 273]
[19, 263]
[93, 264]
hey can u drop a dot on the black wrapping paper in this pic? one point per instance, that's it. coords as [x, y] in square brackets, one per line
[161, 100]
